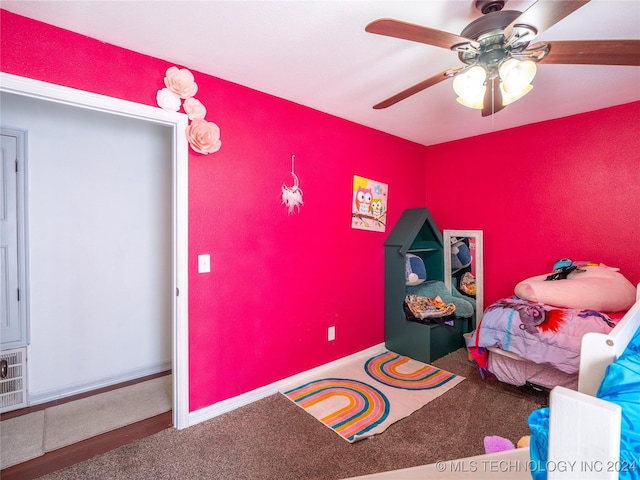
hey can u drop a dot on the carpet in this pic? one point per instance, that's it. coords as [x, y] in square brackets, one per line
[32, 435]
[363, 398]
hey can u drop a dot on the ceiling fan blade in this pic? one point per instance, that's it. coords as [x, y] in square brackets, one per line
[418, 33]
[492, 96]
[418, 87]
[594, 52]
[544, 14]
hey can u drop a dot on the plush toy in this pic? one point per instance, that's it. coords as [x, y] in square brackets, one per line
[460, 254]
[415, 271]
[523, 442]
[562, 268]
[494, 443]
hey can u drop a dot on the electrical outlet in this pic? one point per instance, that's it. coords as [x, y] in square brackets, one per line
[331, 334]
[204, 263]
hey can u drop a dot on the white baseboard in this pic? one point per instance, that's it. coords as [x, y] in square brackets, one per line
[230, 404]
[77, 388]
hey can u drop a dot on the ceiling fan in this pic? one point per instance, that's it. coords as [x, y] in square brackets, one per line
[499, 59]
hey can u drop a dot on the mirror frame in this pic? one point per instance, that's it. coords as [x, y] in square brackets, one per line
[446, 240]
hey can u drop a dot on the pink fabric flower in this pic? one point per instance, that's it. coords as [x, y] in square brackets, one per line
[194, 108]
[167, 100]
[204, 136]
[181, 82]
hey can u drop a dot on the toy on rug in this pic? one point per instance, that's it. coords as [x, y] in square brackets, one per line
[494, 443]
[523, 442]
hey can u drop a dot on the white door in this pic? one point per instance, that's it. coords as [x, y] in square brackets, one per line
[13, 324]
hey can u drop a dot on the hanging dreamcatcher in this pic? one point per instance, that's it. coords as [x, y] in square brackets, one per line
[292, 196]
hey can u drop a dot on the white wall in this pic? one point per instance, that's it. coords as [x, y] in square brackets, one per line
[99, 229]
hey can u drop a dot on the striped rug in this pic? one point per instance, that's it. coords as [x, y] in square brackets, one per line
[364, 397]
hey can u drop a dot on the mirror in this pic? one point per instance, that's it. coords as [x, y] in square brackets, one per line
[463, 265]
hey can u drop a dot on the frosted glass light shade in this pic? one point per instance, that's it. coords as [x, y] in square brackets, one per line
[508, 98]
[477, 104]
[470, 86]
[517, 75]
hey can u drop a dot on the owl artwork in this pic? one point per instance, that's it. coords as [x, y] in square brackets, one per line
[376, 207]
[363, 200]
[369, 204]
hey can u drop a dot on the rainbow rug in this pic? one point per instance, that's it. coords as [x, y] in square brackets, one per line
[364, 397]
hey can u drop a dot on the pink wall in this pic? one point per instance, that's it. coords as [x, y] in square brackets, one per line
[277, 281]
[563, 188]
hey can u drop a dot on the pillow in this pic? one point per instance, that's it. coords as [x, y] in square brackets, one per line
[592, 287]
[415, 271]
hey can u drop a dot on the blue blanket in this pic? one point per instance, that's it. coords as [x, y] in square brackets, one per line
[621, 385]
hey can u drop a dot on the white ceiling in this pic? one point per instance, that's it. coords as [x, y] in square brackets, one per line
[317, 53]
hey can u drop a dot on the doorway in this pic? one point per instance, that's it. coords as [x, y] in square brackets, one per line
[102, 218]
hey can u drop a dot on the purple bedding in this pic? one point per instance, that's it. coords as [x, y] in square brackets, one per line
[540, 333]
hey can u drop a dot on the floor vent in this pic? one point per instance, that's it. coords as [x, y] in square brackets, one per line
[13, 379]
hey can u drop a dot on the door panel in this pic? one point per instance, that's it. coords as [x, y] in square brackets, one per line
[12, 325]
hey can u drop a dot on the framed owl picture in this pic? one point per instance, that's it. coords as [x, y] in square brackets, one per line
[369, 204]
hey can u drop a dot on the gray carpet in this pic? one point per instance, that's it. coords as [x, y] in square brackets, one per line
[274, 439]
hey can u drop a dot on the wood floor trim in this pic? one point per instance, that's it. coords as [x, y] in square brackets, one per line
[53, 403]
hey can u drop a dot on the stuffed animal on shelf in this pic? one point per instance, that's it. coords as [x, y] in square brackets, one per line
[415, 271]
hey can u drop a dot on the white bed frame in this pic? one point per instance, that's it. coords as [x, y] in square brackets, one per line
[584, 431]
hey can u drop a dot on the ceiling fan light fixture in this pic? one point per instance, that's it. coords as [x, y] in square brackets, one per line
[476, 104]
[470, 86]
[499, 45]
[516, 75]
[508, 98]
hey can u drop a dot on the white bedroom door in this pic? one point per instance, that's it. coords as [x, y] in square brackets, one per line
[13, 328]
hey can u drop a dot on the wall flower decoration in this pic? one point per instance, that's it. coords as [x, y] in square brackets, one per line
[167, 100]
[194, 108]
[203, 136]
[181, 82]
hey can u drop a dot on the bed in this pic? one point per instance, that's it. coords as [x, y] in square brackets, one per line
[585, 437]
[523, 340]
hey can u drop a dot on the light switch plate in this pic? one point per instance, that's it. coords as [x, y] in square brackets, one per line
[204, 263]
